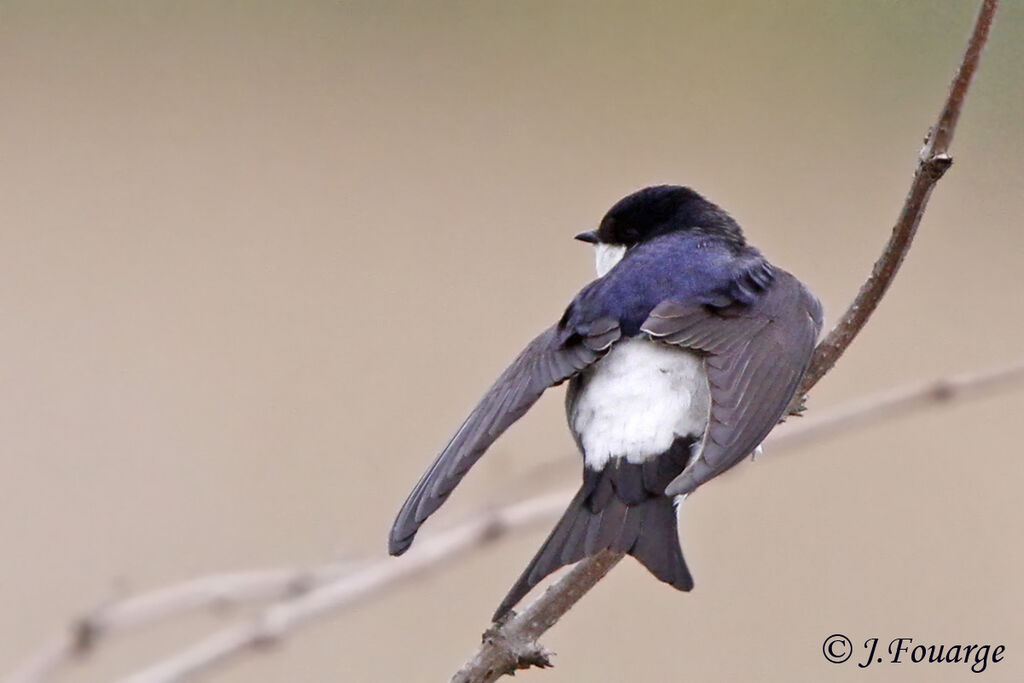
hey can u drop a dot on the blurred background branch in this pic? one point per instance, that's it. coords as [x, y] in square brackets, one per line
[302, 595]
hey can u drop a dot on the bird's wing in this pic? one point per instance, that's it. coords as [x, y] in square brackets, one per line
[755, 358]
[553, 357]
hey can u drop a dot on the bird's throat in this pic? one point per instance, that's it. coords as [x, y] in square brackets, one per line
[606, 256]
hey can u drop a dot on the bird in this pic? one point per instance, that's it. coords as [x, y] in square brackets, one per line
[680, 358]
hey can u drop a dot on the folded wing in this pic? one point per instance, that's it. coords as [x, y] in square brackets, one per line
[755, 357]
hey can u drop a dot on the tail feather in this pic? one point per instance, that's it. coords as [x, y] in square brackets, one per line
[657, 545]
[563, 546]
[631, 527]
[646, 530]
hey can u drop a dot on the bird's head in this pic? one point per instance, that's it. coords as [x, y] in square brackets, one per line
[652, 212]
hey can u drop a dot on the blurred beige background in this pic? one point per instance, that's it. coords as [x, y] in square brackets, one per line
[258, 260]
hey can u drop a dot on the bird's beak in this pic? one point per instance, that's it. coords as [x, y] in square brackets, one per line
[590, 236]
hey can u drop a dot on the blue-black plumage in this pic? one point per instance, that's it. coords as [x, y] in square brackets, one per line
[681, 357]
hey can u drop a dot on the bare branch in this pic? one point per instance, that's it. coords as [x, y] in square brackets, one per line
[934, 161]
[216, 591]
[892, 404]
[279, 620]
[513, 645]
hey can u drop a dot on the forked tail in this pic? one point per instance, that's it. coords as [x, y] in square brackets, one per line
[610, 513]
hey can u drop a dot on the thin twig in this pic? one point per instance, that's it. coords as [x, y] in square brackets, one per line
[890, 405]
[215, 591]
[512, 646]
[279, 620]
[934, 161]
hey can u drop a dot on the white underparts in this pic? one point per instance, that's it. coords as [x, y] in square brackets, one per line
[606, 256]
[637, 400]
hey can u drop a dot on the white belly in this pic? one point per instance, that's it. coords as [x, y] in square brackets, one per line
[635, 401]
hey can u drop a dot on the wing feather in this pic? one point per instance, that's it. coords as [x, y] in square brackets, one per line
[755, 357]
[550, 359]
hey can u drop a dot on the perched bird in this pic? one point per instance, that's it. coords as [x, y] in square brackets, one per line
[681, 356]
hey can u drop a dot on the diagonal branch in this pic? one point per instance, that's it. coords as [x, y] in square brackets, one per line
[277, 621]
[214, 592]
[933, 163]
[513, 645]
